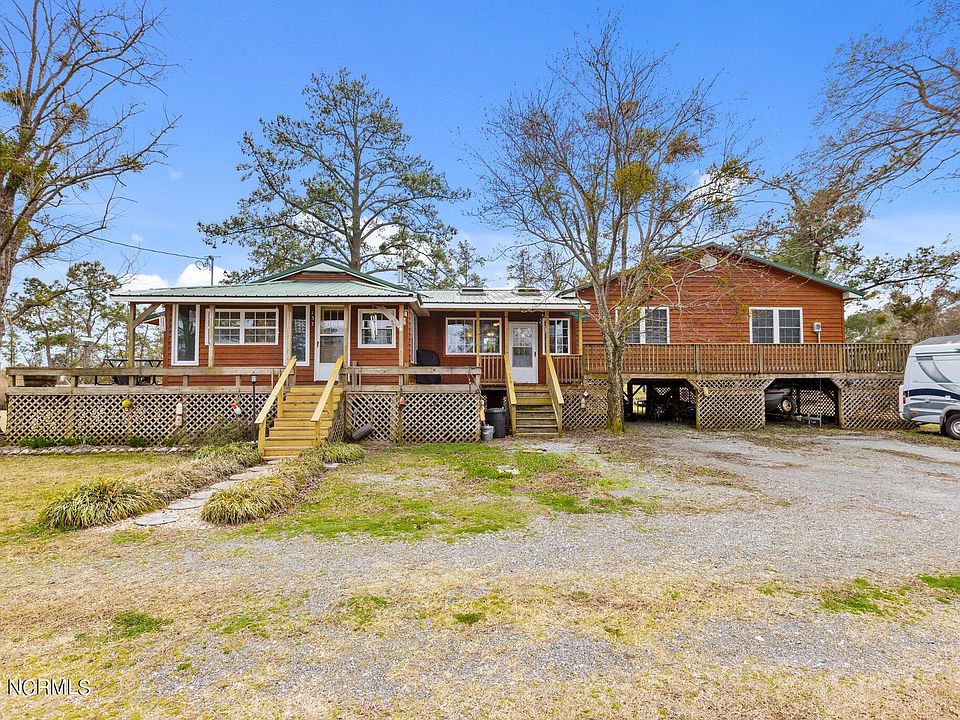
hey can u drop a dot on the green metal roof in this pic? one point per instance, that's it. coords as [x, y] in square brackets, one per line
[281, 290]
[337, 266]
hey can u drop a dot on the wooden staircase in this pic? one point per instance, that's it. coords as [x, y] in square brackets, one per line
[534, 414]
[294, 431]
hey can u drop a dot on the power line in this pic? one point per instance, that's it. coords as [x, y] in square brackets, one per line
[152, 250]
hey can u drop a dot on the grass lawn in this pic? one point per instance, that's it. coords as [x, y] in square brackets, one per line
[664, 573]
[29, 482]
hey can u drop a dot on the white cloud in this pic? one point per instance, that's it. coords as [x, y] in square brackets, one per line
[137, 238]
[174, 174]
[144, 281]
[192, 276]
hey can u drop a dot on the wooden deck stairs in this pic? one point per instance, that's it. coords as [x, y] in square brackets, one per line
[535, 414]
[293, 431]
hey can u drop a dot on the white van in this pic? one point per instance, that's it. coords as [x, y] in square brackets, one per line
[931, 384]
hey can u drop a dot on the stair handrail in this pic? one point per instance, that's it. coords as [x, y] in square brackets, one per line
[261, 421]
[511, 393]
[325, 396]
[556, 394]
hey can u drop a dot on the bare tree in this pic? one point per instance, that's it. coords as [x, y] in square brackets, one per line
[892, 106]
[609, 165]
[65, 143]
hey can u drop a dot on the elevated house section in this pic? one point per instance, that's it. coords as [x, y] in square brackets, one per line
[422, 365]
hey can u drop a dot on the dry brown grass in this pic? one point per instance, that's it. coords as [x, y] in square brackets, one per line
[30, 482]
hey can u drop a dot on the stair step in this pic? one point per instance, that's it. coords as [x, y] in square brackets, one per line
[533, 401]
[537, 426]
[531, 433]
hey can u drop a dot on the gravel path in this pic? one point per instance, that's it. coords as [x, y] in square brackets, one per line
[804, 511]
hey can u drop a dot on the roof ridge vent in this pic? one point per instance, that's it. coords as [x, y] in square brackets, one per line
[529, 290]
[472, 290]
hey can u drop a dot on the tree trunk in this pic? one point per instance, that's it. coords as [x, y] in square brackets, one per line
[7, 261]
[614, 356]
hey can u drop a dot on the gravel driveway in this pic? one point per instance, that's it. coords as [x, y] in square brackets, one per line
[688, 609]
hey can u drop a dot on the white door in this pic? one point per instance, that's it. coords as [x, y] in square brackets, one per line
[523, 352]
[329, 346]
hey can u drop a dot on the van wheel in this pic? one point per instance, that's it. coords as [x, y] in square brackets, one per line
[951, 428]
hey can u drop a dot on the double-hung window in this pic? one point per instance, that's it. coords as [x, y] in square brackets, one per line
[376, 329]
[653, 327]
[462, 338]
[245, 327]
[559, 336]
[776, 325]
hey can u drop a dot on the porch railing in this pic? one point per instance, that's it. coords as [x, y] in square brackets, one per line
[755, 359]
[390, 377]
[556, 394]
[492, 369]
[275, 396]
[105, 375]
[325, 398]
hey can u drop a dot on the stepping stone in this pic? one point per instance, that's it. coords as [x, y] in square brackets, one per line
[507, 470]
[202, 495]
[331, 466]
[222, 484]
[274, 462]
[248, 475]
[258, 469]
[157, 518]
[185, 504]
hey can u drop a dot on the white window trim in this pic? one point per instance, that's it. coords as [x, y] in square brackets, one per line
[546, 339]
[643, 324]
[776, 325]
[393, 329]
[476, 340]
[243, 330]
[300, 363]
[173, 337]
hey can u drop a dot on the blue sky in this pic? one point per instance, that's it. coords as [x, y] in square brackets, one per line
[444, 65]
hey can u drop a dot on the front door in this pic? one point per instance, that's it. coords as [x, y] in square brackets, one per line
[523, 352]
[329, 346]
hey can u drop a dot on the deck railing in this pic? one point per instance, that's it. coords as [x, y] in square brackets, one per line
[755, 359]
[389, 377]
[492, 370]
[106, 375]
[556, 394]
[275, 396]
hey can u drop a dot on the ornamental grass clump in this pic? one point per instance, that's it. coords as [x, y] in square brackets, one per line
[107, 500]
[255, 499]
[99, 502]
[339, 452]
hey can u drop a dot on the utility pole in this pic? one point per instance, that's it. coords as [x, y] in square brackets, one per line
[207, 262]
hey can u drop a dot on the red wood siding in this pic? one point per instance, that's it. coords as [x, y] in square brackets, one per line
[714, 306]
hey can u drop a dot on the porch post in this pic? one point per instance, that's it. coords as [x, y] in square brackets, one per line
[580, 333]
[211, 315]
[476, 337]
[131, 338]
[546, 333]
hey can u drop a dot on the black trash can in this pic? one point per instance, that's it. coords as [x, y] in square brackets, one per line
[498, 418]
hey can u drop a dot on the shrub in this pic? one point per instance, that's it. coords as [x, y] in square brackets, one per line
[221, 433]
[136, 441]
[241, 452]
[98, 502]
[254, 499]
[249, 500]
[107, 500]
[337, 452]
[36, 442]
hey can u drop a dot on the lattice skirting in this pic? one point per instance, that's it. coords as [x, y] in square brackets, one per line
[869, 403]
[585, 406]
[102, 418]
[423, 417]
[337, 430]
[818, 402]
[730, 404]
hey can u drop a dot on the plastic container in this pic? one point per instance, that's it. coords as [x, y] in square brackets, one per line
[486, 432]
[498, 418]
